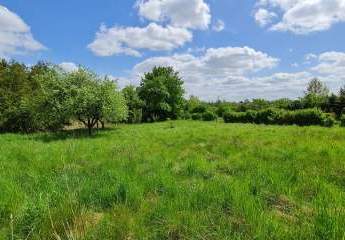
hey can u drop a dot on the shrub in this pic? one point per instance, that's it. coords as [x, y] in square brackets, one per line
[267, 116]
[304, 117]
[200, 109]
[308, 117]
[234, 117]
[342, 120]
[186, 115]
[329, 121]
[209, 116]
[196, 116]
[250, 116]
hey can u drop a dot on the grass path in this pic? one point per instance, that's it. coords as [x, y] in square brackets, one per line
[175, 180]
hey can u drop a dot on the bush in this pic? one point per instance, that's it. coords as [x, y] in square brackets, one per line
[305, 117]
[308, 117]
[233, 117]
[200, 109]
[209, 116]
[267, 116]
[342, 120]
[329, 121]
[186, 115]
[250, 116]
[196, 116]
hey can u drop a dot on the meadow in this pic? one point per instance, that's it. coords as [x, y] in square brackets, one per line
[174, 180]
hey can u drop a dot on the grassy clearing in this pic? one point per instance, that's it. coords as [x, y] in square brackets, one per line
[175, 180]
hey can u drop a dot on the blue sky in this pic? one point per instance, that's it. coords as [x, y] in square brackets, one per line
[223, 48]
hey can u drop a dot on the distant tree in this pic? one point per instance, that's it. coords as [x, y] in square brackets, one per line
[94, 99]
[317, 87]
[282, 103]
[134, 104]
[342, 95]
[161, 91]
[192, 104]
[316, 94]
[296, 105]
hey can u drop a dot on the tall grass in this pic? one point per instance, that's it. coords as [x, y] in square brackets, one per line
[194, 180]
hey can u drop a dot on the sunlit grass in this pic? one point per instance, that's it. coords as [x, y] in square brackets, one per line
[174, 180]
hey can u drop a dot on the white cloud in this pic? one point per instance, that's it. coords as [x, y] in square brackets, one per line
[233, 73]
[68, 66]
[305, 16]
[128, 40]
[310, 56]
[216, 64]
[218, 26]
[264, 17]
[15, 35]
[193, 14]
[221, 72]
[331, 63]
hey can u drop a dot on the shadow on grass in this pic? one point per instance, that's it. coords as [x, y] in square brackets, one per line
[71, 134]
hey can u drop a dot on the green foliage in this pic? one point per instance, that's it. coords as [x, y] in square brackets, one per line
[317, 88]
[43, 98]
[316, 94]
[328, 121]
[192, 104]
[161, 91]
[342, 120]
[134, 104]
[267, 116]
[305, 117]
[240, 117]
[209, 116]
[17, 89]
[197, 116]
[95, 100]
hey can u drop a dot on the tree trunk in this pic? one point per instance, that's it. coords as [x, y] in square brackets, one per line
[89, 126]
[102, 122]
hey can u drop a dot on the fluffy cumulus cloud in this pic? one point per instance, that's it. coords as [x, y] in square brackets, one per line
[171, 24]
[128, 40]
[212, 74]
[331, 63]
[238, 73]
[193, 14]
[68, 66]
[215, 64]
[264, 17]
[15, 35]
[302, 16]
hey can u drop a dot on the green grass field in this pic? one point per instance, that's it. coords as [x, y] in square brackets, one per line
[174, 180]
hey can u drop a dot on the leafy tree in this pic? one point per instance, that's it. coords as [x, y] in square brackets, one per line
[317, 87]
[192, 103]
[95, 100]
[54, 101]
[342, 95]
[134, 104]
[17, 90]
[161, 91]
[316, 94]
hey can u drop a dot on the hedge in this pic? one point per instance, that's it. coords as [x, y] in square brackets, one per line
[305, 117]
[209, 116]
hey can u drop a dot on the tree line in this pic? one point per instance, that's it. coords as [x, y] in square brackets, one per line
[43, 97]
